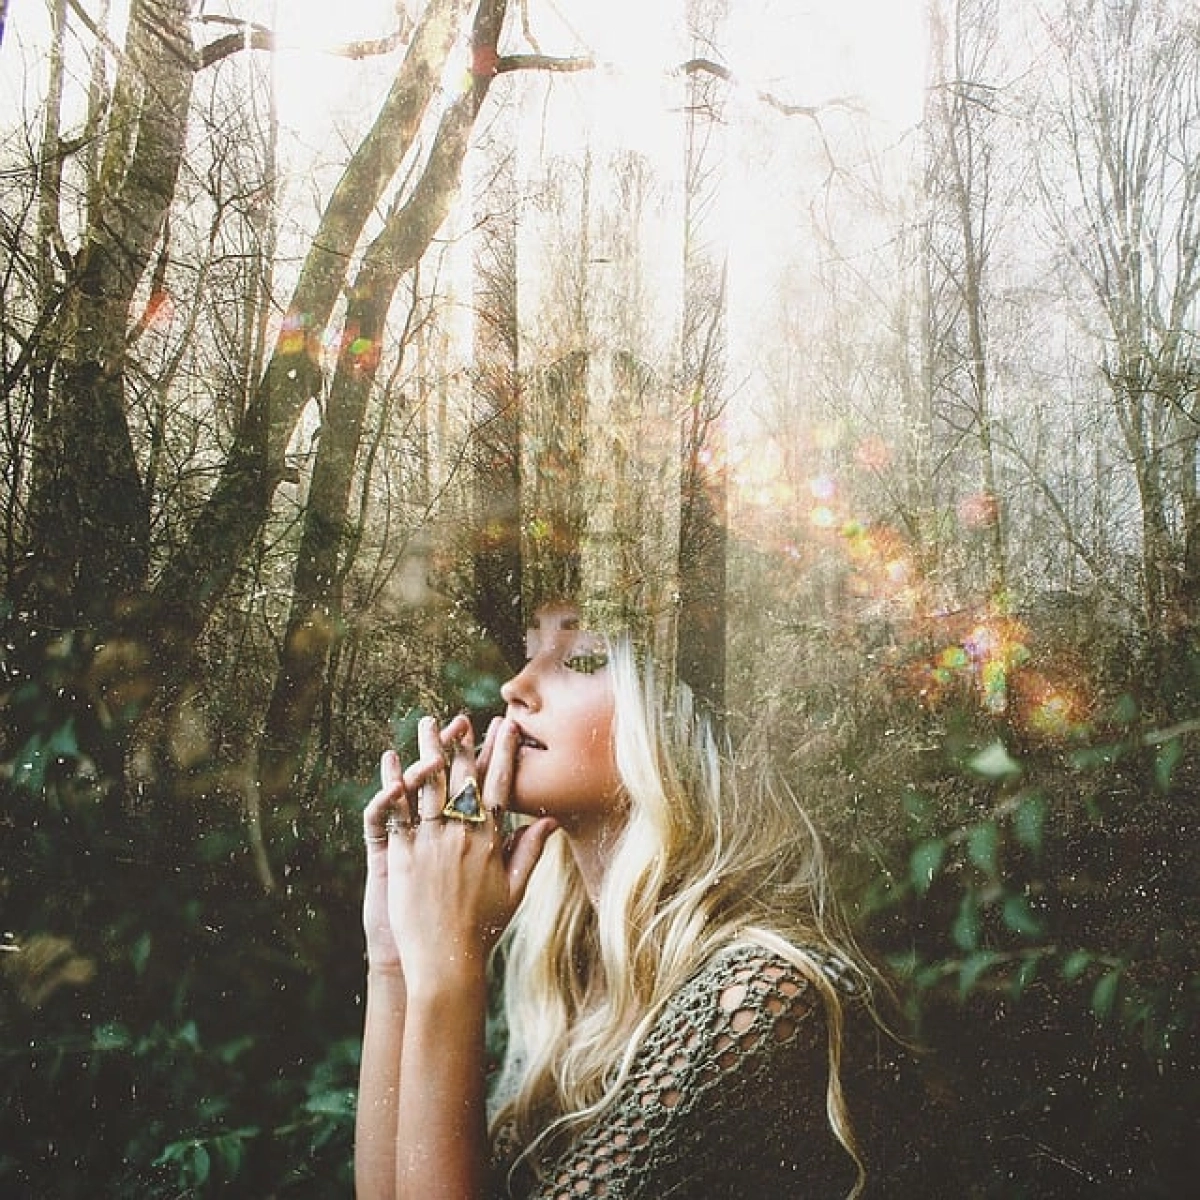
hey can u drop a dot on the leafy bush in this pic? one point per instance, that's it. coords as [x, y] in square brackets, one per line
[169, 1028]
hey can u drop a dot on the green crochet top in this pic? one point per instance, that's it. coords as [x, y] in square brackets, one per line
[725, 1099]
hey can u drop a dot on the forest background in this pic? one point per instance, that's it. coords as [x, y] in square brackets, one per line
[855, 344]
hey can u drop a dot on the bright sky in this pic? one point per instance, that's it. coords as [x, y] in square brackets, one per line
[805, 50]
[802, 50]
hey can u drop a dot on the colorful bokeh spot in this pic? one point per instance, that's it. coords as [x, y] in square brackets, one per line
[940, 653]
[293, 333]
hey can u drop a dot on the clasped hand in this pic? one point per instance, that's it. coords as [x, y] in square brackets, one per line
[439, 890]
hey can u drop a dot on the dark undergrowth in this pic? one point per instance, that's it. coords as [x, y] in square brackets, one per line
[170, 1027]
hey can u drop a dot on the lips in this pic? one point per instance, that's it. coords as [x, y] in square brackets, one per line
[526, 742]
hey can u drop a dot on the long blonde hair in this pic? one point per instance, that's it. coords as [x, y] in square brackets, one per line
[708, 856]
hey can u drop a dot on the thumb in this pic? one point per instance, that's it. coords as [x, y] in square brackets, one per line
[527, 846]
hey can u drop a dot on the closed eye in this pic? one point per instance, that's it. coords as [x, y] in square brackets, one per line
[586, 664]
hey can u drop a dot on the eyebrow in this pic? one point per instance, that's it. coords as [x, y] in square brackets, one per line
[566, 624]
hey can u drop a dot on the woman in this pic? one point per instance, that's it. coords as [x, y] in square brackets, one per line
[676, 995]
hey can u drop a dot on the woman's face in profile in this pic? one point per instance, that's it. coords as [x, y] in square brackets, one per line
[562, 704]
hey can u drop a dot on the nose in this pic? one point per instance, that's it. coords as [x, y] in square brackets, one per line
[521, 690]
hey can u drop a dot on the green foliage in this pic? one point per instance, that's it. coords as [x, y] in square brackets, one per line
[1042, 916]
[168, 1027]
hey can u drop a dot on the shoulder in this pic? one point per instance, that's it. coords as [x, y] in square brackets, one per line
[746, 974]
[747, 1008]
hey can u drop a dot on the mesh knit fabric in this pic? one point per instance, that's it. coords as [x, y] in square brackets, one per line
[725, 1099]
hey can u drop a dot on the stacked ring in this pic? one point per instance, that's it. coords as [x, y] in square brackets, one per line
[373, 840]
[397, 824]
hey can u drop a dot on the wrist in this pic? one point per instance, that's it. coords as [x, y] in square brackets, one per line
[460, 985]
[382, 970]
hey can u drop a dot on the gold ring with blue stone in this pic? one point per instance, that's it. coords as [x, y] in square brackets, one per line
[465, 805]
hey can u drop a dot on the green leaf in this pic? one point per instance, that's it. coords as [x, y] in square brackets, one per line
[983, 843]
[231, 1148]
[1025, 974]
[189, 1034]
[111, 1036]
[338, 1102]
[1104, 995]
[1077, 962]
[916, 805]
[1165, 762]
[140, 952]
[37, 755]
[1020, 917]
[965, 930]
[994, 762]
[1029, 822]
[1097, 756]
[924, 864]
[232, 1050]
[974, 965]
[199, 1163]
[1125, 711]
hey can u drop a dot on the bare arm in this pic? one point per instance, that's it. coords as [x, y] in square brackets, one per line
[444, 1156]
[376, 1119]
[448, 890]
[376, 1122]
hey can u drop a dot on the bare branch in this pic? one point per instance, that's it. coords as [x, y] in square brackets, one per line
[706, 66]
[542, 62]
[249, 35]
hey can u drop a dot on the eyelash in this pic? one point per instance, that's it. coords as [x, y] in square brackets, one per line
[586, 664]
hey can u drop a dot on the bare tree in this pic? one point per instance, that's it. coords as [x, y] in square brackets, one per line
[316, 609]
[1129, 220]
[961, 184]
[704, 532]
[89, 523]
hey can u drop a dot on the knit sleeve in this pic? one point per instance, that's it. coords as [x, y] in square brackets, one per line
[725, 1098]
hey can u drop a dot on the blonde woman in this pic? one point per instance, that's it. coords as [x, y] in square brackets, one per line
[677, 996]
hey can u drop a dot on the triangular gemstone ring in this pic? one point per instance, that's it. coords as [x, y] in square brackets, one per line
[465, 805]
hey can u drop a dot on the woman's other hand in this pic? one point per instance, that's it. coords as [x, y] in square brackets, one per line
[453, 885]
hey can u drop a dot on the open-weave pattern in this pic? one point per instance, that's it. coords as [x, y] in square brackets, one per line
[726, 1099]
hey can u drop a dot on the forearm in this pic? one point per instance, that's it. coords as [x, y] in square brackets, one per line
[377, 1119]
[443, 1154]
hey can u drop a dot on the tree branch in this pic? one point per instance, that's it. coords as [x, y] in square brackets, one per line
[249, 35]
[542, 62]
[706, 66]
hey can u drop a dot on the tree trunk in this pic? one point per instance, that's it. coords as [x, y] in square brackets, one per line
[316, 619]
[496, 459]
[89, 513]
[237, 509]
[700, 654]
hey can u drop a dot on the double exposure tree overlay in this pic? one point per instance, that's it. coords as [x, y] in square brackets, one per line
[874, 397]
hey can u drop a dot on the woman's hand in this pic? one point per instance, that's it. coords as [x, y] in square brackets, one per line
[386, 811]
[452, 885]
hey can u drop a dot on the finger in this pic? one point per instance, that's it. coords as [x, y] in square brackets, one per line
[489, 743]
[454, 731]
[389, 768]
[431, 791]
[501, 766]
[525, 853]
[462, 764]
[380, 810]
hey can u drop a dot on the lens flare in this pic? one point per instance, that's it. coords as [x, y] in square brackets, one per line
[941, 654]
